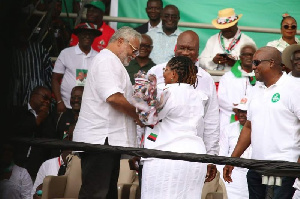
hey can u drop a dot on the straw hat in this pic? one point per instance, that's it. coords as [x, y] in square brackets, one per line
[226, 18]
[287, 54]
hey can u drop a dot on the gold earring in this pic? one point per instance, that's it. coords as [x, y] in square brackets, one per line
[171, 79]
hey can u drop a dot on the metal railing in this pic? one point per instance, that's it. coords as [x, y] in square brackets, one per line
[180, 24]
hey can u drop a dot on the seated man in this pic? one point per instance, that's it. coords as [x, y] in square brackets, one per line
[54, 167]
[235, 84]
[142, 61]
[35, 120]
[223, 49]
[15, 181]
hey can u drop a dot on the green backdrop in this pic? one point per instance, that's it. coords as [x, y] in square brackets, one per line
[256, 13]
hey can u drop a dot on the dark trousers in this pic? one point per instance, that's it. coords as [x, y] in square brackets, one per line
[140, 176]
[257, 190]
[100, 173]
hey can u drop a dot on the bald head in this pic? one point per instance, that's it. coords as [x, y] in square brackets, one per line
[188, 45]
[267, 65]
[268, 52]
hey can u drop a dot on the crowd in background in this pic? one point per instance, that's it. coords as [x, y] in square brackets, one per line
[196, 113]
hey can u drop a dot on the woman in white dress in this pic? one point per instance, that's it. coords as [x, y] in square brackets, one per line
[178, 131]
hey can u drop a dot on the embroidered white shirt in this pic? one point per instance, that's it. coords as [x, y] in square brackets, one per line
[98, 119]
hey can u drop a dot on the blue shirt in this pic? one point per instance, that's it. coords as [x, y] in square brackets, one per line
[163, 45]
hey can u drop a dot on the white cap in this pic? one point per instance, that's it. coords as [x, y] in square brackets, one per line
[243, 105]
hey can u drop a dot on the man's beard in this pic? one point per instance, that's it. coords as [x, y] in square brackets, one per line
[125, 59]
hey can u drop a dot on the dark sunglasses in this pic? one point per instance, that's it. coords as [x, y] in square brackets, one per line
[293, 27]
[257, 62]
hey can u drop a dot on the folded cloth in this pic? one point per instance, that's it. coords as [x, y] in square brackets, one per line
[145, 98]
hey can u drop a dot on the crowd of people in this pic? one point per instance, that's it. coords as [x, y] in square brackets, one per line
[86, 95]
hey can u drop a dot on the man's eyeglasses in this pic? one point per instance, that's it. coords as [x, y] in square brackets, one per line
[293, 27]
[135, 51]
[257, 62]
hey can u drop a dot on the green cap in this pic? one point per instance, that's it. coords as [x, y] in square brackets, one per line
[97, 4]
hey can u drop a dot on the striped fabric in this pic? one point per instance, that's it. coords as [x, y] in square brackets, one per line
[31, 67]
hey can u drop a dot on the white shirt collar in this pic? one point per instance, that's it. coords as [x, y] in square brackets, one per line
[31, 110]
[282, 79]
[153, 27]
[78, 51]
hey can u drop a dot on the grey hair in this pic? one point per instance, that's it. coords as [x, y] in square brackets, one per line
[127, 33]
[248, 45]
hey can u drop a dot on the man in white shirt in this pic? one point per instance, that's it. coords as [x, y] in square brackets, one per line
[223, 49]
[15, 181]
[188, 45]
[235, 84]
[106, 116]
[72, 62]
[273, 116]
[154, 9]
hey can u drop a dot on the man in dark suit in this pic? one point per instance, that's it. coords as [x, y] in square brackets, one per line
[153, 10]
[34, 120]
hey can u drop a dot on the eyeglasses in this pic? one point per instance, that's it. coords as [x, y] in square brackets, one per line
[257, 62]
[145, 46]
[293, 27]
[135, 51]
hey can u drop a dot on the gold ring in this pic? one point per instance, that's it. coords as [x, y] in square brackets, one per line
[219, 62]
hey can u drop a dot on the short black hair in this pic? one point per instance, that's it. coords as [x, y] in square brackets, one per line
[162, 4]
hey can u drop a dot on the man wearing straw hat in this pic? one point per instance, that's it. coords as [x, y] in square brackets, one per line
[223, 49]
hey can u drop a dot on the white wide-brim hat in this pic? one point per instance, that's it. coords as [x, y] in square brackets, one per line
[226, 18]
[287, 54]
